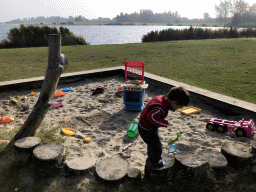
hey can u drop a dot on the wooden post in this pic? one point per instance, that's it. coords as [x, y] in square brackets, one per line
[57, 63]
[162, 173]
[24, 149]
[49, 158]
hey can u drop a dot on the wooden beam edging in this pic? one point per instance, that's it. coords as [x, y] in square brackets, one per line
[37, 82]
[222, 102]
[225, 104]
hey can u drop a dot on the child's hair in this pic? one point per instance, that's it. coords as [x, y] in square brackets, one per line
[179, 94]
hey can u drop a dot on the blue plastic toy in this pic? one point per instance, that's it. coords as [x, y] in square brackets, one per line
[175, 150]
[67, 90]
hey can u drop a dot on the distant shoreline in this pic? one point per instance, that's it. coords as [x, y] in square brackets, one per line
[127, 24]
[137, 24]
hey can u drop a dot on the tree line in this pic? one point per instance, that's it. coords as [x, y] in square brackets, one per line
[147, 16]
[196, 33]
[36, 36]
[57, 20]
[237, 13]
[241, 14]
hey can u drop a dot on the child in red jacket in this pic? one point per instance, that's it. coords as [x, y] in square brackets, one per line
[153, 116]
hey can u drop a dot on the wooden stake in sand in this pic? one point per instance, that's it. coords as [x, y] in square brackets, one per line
[49, 156]
[164, 172]
[79, 166]
[57, 63]
[111, 169]
[192, 165]
[24, 149]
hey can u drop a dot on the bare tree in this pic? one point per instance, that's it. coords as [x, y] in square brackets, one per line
[252, 9]
[206, 16]
[223, 10]
[240, 7]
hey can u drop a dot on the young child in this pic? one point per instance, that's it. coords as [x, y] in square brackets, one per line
[153, 116]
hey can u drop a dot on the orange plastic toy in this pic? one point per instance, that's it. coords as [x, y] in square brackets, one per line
[7, 119]
[59, 94]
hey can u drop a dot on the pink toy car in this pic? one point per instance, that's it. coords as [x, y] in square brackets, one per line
[241, 128]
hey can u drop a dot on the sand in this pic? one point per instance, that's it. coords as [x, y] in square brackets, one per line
[102, 118]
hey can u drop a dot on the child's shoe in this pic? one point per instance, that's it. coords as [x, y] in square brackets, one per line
[157, 165]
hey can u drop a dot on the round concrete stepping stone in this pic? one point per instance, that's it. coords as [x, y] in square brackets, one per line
[80, 165]
[111, 169]
[134, 174]
[49, 157]
[161, 173]
[193, 165]
[237, 154]
[24, 149]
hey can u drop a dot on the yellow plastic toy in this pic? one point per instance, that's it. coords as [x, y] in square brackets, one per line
[7, 119]
[120, 88]
[33, 93]
[73, 132]
[69, 131]
[22, 97]
[87, 139]
[190, 110]
[15, 101]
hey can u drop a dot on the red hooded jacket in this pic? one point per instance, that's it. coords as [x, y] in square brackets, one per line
[155, 112]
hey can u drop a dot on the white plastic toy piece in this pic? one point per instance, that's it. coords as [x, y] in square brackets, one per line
[134, 87]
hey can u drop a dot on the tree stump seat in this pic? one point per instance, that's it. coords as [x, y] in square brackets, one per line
[161, 173]
[191, 165]
[254, 148]
[79, 166]
[237, 154]
[24, 149]
[111, 169]
[49, 157]
[134, 175]
[217, 161]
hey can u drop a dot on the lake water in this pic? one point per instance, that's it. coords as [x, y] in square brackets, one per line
[103, 34]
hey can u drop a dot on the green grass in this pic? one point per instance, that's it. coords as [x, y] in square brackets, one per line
[225, 66]
[46, 132]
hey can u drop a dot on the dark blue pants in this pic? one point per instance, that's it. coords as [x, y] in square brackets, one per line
[151, 138]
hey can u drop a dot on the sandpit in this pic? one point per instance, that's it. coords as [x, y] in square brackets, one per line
[102, 118]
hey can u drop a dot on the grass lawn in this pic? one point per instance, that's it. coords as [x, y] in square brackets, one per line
[225, 66]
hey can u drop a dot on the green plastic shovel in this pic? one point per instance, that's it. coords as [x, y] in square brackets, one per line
[175, 138]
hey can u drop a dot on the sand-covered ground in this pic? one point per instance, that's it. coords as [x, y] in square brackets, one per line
[102, 118]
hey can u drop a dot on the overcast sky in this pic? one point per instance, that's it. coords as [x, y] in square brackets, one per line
[14, 9]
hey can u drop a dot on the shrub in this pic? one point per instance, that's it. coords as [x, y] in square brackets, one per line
[196, 33]
[36, 36]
